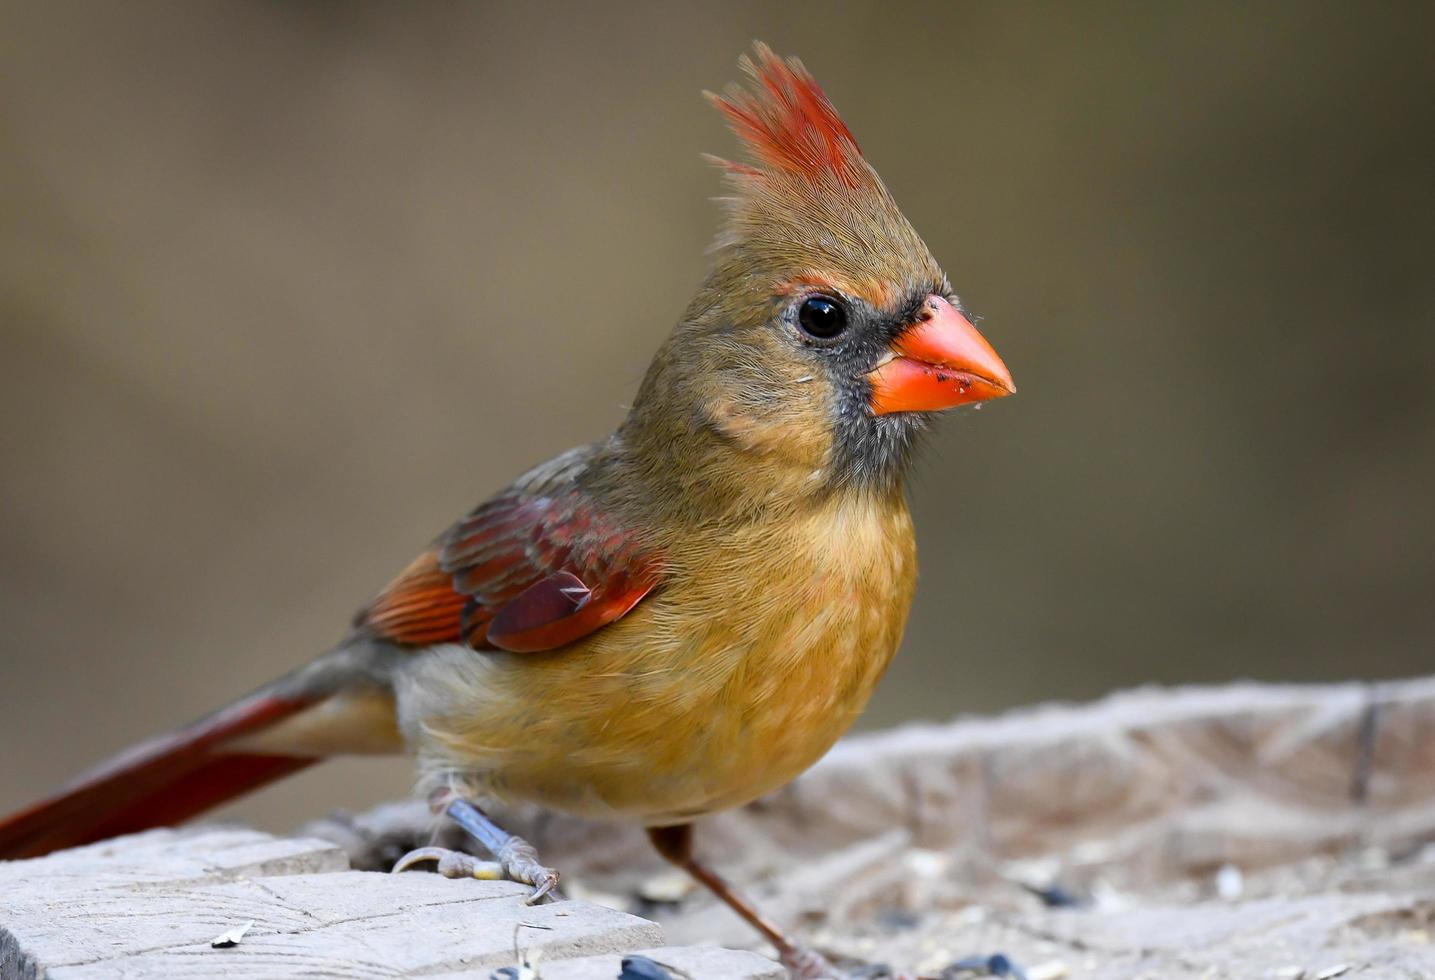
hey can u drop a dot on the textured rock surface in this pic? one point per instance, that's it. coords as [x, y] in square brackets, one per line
[1207, 834]
[681, 961]
[1237, 832]
[150, 905]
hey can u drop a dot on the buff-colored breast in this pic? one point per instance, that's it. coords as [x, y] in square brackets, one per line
[757, 655]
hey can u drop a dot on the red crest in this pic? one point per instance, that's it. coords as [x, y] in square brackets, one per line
[788, 124]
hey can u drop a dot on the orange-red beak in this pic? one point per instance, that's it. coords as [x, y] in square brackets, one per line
[938, 363]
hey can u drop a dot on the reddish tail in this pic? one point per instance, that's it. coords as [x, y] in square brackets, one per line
[157, 783]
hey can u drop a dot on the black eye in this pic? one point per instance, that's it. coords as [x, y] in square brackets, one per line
[822, 317]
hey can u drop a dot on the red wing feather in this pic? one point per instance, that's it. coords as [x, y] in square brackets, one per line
[420, 607]
[527, 571]
[559, 609]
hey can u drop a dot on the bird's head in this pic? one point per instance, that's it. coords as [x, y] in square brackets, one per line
[826, 334]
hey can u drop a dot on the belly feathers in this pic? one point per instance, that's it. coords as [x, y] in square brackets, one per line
[717, 690]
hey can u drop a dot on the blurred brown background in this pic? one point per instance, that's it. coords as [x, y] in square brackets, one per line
[285, 288]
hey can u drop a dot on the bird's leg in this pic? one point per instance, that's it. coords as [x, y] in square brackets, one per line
[517, 859]
[676, 844]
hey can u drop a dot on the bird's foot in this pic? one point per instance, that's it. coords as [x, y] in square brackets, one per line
[517, 862]
[520, 863]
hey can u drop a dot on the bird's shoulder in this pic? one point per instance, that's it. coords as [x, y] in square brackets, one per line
[538, 565]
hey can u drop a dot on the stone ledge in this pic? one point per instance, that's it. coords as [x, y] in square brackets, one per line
[147, 906]
[1248, 831]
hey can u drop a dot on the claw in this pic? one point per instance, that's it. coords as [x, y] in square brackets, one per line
[543, 886]
[520, 861]
[416, 856]
[451, 864]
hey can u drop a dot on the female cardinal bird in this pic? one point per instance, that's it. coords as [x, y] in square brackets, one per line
[673, 620]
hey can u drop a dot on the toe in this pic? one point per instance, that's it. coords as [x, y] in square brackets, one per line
[543, 884]
[418, 856]
[450, 864]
